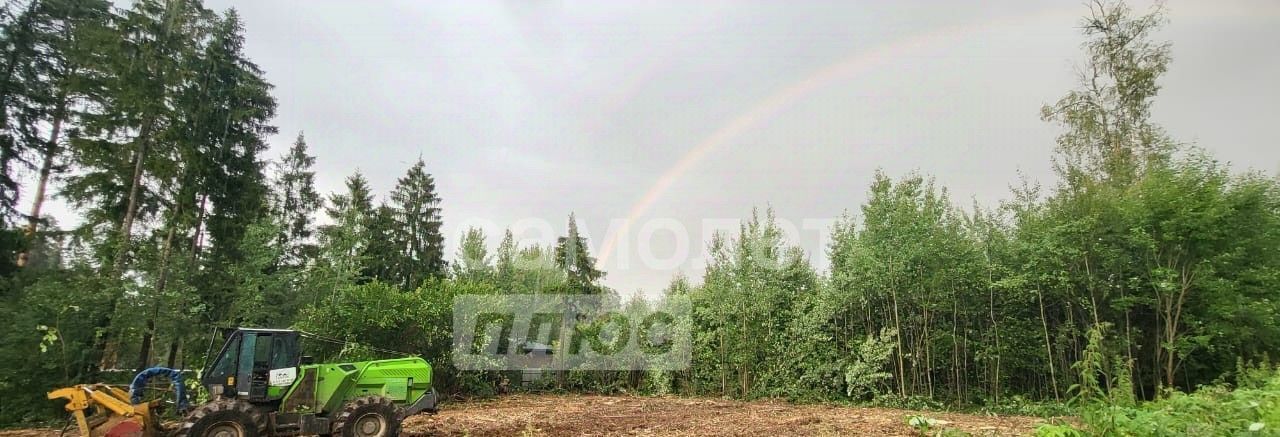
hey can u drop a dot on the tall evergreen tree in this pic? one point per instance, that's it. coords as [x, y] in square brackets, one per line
[19, 51]
[128, 150]
[384, 256]
[133, 86]
[418, 222]
[296, 202]
[226, 110]
[346, 238]
[573, 257]
[42, 43]
[236, 119]
[41, 51]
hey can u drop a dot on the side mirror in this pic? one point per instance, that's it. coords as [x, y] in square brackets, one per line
[307, 359]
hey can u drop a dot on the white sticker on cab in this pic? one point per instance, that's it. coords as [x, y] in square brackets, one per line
[282, 377]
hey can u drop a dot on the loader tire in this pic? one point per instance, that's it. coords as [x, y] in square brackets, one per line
[223, 418]
[368, 416]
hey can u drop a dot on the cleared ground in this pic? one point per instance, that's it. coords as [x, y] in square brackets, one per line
[577, 415]
[555, 415]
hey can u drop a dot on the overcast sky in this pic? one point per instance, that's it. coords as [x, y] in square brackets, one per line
[690, 113]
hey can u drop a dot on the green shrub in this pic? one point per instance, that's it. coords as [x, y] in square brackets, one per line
[1252, 409]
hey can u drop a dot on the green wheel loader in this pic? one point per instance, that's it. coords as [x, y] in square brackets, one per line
[261, 385]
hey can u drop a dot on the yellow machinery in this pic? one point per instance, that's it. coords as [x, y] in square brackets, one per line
[101, 410]
[261, 386]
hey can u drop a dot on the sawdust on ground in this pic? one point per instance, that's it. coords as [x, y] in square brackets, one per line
[586, 415]
[578, 415]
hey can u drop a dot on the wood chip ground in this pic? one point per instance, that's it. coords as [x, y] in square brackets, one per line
[579, 415]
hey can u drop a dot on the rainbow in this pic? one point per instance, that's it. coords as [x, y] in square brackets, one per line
[784, 97]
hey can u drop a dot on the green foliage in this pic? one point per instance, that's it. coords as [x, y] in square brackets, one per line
[473, 262]
[1145, 269]
[265, 294]
[928, 426]
[572, 256]
[1109, 134]
[863, 374]
[49, 320]
[1210, 410]
[415, 212]
[382, 316]
[747, 317]
[1058, 430]
[344, 241]
[296, 201]
[43, 47]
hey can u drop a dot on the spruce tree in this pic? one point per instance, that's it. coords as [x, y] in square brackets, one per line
[133, 82]
[296, 202]
[418, 222]
[18, 43]
[128, 151]
[382, 255]
[345, 239]
[41, 50]
[578, 264]
[239, 108]
[227, 112]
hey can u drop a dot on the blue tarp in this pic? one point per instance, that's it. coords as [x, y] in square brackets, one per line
[140, 382]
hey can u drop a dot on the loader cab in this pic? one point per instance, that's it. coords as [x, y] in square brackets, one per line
[258, 365]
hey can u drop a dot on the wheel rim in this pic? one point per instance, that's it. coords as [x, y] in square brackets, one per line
[225, 429]
[370, 425]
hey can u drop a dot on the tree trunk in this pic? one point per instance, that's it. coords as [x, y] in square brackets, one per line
[995, 329]
[724, 377]
[928, 357]
[197, 238]
[109, 342]
[46, 169]
[955, 349]
[1157, 379]
[1187, 277]
[135, 191]
[144, 353]
[173, 353]
[148, 335]
[1093, 299]
[897, 324]
[1048, 349]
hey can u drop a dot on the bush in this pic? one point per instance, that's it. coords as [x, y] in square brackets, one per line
[1251, 409]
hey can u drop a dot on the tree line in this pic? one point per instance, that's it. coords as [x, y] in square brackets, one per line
[1145, 245]
[152, 123]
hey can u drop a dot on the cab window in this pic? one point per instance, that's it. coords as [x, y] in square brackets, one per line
[226, 364]
[283, 352]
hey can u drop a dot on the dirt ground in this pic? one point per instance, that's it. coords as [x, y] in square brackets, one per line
[34, 432]
[555, 415]
[577, 415]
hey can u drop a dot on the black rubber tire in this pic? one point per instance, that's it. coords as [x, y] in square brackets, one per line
[359, 410]
[223, 414]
